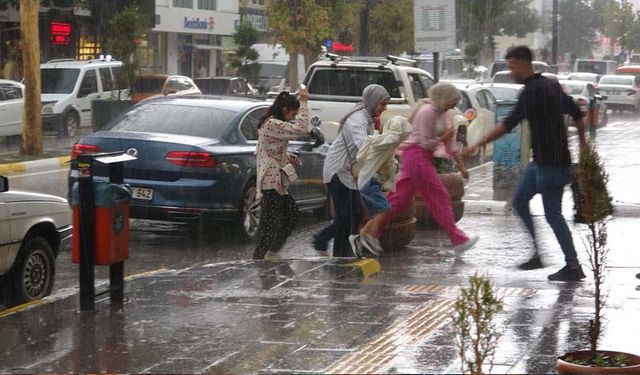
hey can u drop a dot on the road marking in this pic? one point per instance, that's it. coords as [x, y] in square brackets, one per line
[146, 273]
[378, 355]
[21, 307]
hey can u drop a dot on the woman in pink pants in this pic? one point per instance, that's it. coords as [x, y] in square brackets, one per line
[432, 126]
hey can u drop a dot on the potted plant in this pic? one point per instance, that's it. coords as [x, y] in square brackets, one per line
[593, 206]
[476, 333]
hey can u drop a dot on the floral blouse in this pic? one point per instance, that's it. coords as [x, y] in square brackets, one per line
[271, 151]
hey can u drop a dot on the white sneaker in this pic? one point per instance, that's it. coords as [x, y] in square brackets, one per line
[356, 245]
[459, 249]
[372, 244]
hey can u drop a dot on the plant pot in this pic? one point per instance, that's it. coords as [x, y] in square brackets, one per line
[103, 111]
[565, 367]
[400, 231]
[454, 184]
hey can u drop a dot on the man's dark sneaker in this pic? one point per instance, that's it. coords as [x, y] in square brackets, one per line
[532, 264]
[568, 274]
[637, 275]
[319, 244]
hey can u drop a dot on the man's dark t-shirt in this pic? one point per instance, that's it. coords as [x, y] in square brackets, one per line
[543, 103]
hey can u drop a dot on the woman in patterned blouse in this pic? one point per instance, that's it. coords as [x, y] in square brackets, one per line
[287, 118]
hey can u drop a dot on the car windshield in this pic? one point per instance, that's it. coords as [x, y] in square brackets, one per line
[214, 86]
[505, 93]
[616, 81]
[273, 70]
[58, 81]
[170, 118]
[573, 88]
[503, 78]
[149, 84]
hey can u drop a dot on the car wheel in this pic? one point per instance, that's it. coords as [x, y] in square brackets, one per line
[250, 213]
[71, 124]
[33, 273]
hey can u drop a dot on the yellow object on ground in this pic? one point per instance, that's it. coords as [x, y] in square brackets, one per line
[367, 266]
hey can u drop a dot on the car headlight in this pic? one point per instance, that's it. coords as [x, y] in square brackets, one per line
[47, 109]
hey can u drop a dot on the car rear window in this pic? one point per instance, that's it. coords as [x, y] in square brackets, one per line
[503, 78]
[178, 119]
[213, 86]
[153, 85]
[351, 82]
[616, 81]
[504, 93]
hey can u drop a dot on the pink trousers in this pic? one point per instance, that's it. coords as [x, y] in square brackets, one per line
[418, 174]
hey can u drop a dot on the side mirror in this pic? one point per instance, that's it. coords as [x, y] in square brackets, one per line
[4, 184]
[84, 92]
[317, 137]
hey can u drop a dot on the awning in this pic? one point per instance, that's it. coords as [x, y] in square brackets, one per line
[205, 47]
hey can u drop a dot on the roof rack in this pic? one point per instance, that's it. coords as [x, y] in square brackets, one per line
[60, 60]
[396, 60]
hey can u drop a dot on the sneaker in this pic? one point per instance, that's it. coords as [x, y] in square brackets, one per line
[356, 246]
[319, 244]
[568, 274]
[637, 275]
[459, 249]
[372, 244]
[532, 264]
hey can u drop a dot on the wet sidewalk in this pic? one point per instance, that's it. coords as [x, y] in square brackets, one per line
[319, 315]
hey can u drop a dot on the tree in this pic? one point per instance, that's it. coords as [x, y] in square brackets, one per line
[300, 26]
[576, 27]
[246, 56]
[392, 30]
[122, 34]
[32, 129]
[479, 22]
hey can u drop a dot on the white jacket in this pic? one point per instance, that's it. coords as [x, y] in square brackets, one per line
[379, 149]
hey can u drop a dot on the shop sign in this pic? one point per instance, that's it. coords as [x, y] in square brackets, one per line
[256, 18]
[60, 33]
[199, 23]
[83, 12]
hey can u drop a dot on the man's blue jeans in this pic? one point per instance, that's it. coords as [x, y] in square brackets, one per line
[549, 181]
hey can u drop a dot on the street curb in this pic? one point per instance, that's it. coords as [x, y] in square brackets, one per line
[42, 165]
[503, 207]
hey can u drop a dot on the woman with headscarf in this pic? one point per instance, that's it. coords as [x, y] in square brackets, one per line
[337, 173]
[432, 126]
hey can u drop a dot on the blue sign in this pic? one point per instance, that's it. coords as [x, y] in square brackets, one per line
[328, 43]
[506, 150]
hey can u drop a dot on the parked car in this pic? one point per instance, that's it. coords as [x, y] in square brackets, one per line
[629, 70]
[622, 91]
[155, 85]
[478, 105]
[11, 107]
[505, 76]
[195, 160]
[600, 67]
[585, 94]
[498, 66]
[505, 91]
[584, 76]
[34, 228]
[234, 86]
[69, 86]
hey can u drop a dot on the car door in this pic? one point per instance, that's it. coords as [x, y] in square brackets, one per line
[11, 109]
[5, 238]
[89, 90]
[107, 83]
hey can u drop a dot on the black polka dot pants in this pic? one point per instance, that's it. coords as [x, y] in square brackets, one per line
[278, 217]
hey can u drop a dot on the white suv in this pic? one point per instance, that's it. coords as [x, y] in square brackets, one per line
[34, 228]
[69, 86]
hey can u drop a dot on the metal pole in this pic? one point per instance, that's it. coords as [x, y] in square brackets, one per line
[436, 67]
[554, 34]
[87, 250]
[116, 270]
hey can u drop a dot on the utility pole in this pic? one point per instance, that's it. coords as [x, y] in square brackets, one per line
[554, 34]
[364, 28]
[32, 129]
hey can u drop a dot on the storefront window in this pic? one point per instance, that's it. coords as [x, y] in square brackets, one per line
[207, 4]
[151, 56]
[184, 54]
[183, 4]
[88, 47]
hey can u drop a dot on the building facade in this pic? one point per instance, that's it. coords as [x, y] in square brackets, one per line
[190, 37]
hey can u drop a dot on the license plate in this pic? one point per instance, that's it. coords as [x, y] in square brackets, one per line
[142, 193]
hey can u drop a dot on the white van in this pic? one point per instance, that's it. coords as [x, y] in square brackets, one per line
[274, 72]
[69, 86]
[601, 67]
